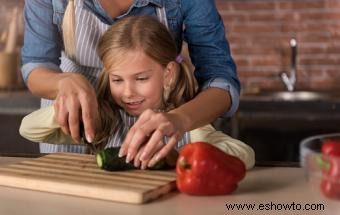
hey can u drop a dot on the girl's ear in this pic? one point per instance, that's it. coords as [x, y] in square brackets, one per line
[169, 74]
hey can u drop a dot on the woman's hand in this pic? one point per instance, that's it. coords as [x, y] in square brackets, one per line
[76, 100]
[144, 141]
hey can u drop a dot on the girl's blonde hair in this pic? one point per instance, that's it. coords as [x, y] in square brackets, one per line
[138, 33]
[68, 27]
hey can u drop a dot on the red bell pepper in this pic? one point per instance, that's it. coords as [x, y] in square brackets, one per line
[330, 184]
[203, 169]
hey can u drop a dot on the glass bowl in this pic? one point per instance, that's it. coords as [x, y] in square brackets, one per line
[322, 171]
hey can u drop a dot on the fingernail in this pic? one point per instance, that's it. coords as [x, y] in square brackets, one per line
[89, 138]
[128, 158]
[120, 154]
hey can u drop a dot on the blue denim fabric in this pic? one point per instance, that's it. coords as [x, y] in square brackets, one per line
[203, 31]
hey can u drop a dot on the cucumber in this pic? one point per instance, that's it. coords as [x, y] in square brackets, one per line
[108, 159]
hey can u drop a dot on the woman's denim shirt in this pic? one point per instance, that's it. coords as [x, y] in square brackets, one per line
[195, 21]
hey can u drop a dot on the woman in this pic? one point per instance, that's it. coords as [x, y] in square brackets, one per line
[68, 78]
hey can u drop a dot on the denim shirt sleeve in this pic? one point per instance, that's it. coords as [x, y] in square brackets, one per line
[209, 50]
[42, 39]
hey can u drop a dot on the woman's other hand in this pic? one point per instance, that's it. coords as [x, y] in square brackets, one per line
[76, 100]
[144, 141]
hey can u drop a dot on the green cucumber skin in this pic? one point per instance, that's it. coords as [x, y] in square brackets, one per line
[111, 161]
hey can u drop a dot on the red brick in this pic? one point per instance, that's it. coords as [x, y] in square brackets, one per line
[242, 62]
[301, 4]
[253, 5]
[311, 50]
[268, 61]
[332, 3]
[250, 28]
[322, 60]
[320, 15]
[230, 18]
[253, 51]
[223, 5]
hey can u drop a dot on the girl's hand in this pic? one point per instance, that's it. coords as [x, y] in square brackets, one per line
[76, 100]
[145, 138]
[143, 164]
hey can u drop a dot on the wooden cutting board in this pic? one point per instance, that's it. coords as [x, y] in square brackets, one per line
[77, 174]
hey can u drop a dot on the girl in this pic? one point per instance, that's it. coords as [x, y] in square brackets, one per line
[141, 74]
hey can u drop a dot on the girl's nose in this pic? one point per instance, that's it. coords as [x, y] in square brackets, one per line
[128, 90]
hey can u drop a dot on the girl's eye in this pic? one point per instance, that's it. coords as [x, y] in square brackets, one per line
[142, 78]
[116, 80]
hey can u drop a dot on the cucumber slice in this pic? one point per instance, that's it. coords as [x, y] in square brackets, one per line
[100, 159]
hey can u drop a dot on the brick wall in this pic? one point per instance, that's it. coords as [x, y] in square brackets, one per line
[259, 32]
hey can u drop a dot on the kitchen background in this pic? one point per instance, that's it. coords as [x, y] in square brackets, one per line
[259, 32]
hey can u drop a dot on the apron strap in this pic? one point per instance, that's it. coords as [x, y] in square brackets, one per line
[161, 14]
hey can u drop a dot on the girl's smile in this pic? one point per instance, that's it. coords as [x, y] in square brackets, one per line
[134, 105]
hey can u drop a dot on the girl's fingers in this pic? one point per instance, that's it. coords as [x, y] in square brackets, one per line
[164, 151]
[76, 100]
[144, 117]
[156, 138]
[155, 128]
[89, 111]
[150, 129]
[136, 161]
[64, 125]
[62, 115]
[67, 111]
[124, 147]
[137, 140]
[144, 163]
[73, 120]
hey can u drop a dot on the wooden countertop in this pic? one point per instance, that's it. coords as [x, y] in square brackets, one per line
[262, 185]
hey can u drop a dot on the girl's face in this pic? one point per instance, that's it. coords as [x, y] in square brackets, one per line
[137, 83]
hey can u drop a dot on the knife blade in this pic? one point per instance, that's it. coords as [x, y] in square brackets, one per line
[92, 147]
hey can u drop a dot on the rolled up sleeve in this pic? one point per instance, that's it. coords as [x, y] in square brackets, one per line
[42, 39]
[27, 68]
[225, 85]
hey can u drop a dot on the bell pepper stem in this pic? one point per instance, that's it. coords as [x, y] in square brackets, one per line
[183, 164]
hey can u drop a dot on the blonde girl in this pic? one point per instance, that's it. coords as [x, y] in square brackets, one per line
[146, 38]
